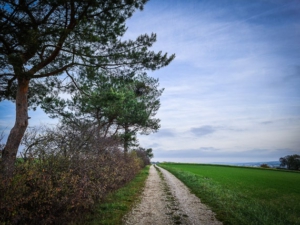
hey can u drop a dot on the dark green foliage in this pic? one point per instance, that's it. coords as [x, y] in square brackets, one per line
[41, 40]
[119, 106]
[149, 153]
[292, 162]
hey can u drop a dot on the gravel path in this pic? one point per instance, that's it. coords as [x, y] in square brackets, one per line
[166, 200]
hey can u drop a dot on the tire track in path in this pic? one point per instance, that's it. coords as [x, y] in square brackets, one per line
[166, 201]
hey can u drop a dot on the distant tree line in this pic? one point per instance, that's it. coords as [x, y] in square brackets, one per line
[291, 162]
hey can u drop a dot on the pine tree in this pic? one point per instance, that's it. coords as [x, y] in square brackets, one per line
[42, 39]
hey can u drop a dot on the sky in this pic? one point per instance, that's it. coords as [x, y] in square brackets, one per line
[232, 92]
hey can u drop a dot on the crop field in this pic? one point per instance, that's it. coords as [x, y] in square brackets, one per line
[241, 195]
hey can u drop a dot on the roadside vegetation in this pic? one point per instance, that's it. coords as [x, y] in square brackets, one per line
[70, 59]
[243, 195]
[117, 204]
[63, 176]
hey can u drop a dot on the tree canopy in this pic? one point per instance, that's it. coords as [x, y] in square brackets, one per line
[292, 162]
[118, 106]
[42, 39]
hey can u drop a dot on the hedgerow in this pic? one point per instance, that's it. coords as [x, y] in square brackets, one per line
[54, 184]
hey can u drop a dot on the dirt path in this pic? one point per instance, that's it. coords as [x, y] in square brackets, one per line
[166, 200]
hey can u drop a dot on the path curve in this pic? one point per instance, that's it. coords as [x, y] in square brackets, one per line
[166, 200]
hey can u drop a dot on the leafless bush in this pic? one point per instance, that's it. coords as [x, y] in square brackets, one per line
[143, 155]
[65, 171]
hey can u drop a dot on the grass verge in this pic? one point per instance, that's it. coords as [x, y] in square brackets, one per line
[118, 203]
[243, 195]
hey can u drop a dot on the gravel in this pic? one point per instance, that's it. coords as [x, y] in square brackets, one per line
[166, 200]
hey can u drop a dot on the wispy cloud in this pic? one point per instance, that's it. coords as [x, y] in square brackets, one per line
[204, 130]
[210, 154]
[164, 133]
[234, 84]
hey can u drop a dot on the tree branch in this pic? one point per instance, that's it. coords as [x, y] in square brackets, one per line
[74, 82]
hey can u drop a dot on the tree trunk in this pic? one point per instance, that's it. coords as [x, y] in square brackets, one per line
[9, 153]
[126, 139]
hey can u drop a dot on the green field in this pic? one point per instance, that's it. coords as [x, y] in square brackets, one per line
[241, 195]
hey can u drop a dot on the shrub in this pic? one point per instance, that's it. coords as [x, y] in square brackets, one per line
[264, 165]
[57, 182]
[145, 155]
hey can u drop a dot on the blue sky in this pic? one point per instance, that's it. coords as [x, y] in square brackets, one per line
[232, 93]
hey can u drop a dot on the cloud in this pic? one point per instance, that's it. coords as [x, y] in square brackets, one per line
[189, 153]
[164, 133]
[267, 122]
[204, 130]
[154, 145]
[234, 84]
[211, 154]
